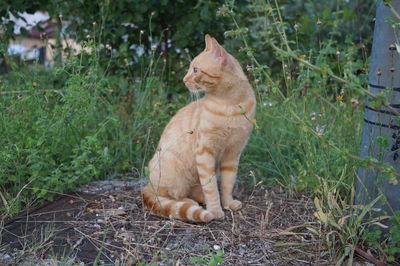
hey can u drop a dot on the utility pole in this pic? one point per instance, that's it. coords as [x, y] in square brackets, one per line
[381, 133]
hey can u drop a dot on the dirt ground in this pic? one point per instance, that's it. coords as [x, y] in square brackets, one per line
[105, 223]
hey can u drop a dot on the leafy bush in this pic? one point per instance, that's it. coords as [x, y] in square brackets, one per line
[66, 127]
[309, 115]
[311, 79]
[386, 241]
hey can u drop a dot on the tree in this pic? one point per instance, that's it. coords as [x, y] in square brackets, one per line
[168, 26]
[381, 134]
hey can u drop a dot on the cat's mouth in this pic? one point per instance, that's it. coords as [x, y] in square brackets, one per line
[194, 88]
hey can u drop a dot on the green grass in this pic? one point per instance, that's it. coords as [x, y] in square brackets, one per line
[89, 125]
[299, 140]
[57, 133]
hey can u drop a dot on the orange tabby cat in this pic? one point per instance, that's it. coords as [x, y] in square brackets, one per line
[203, 139]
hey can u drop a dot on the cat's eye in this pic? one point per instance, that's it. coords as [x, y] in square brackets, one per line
[195, 70]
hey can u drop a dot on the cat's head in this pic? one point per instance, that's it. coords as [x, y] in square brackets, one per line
[212, 69]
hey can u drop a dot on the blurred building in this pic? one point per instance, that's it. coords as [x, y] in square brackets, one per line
[32, 44]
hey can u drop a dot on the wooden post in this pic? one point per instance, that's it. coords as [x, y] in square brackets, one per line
[3, 64]
[381, 123]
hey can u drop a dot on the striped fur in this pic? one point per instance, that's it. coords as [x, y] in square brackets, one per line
[203, 139]
[185, 209]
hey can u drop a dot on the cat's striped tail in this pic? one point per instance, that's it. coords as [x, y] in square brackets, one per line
[185, 209]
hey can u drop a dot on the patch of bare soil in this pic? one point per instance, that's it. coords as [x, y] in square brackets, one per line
[106, 224]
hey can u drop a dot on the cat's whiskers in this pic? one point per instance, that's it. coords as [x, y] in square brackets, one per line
[194, 95]
[191, 96]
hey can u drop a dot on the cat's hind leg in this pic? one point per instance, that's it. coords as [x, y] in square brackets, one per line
[197, 194]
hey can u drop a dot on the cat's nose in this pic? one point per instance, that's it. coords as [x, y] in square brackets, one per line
[185, 79]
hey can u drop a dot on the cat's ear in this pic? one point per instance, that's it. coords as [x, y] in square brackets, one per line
[220, 53]
[209, 43]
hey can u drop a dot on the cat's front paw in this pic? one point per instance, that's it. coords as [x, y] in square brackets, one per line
[233, 205]
[218, 213]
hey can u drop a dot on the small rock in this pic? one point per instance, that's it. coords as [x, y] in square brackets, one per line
[365, 263]
[6, 258]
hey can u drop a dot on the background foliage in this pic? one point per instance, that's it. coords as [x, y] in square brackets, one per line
[101, 100]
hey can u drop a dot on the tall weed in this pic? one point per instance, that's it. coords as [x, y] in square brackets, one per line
[67, 126]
